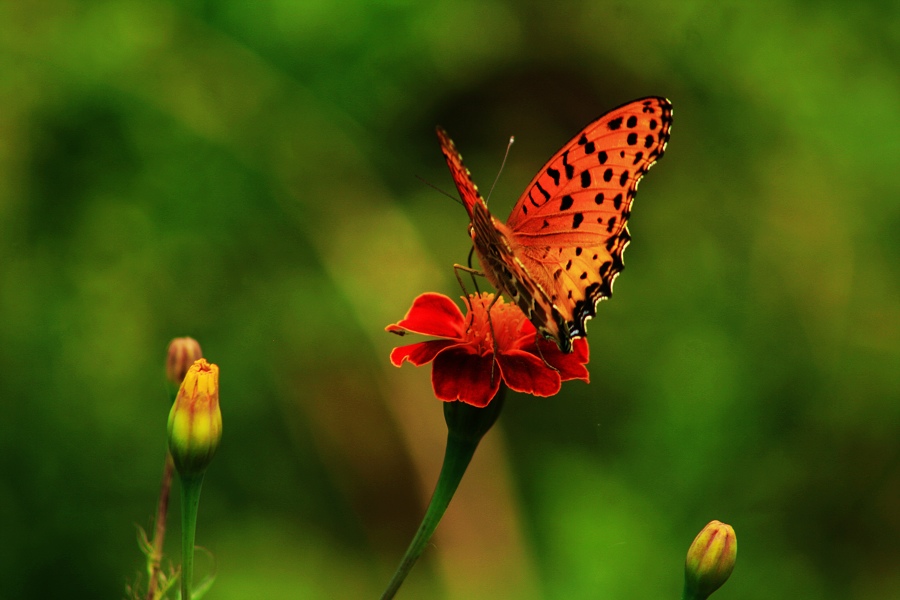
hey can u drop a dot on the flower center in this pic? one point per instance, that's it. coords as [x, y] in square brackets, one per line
[502, 324]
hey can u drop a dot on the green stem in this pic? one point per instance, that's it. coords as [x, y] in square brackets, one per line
[190, 503]
[689, 594]
[466, 425]
[456, 459]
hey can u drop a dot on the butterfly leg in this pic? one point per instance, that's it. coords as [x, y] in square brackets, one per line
[493, 335]
[473, 272]
[541, 354]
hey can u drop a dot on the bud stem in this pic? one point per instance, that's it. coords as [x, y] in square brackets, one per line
[190, 503]
[689, 595]
[466, 425]
[159, 530]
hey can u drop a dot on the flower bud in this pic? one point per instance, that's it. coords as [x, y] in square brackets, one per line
[195, 421]
[182, 354]
[710, 560]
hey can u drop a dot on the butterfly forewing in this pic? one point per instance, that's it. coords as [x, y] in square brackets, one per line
[571, 222]
[468, 191]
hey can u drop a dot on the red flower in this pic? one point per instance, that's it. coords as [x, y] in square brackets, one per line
[466, 367]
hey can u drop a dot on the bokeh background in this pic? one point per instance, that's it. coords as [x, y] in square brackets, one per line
[250, 173]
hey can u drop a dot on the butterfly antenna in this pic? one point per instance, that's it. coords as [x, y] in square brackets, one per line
[440, 191]
[512, 139]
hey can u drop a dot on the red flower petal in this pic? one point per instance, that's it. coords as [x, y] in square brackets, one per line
[432, 314]
[524, 372]
[572, 365]
[420, 353]
[461, 374]
[526, 335]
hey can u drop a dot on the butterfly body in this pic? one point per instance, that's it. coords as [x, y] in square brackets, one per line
[561, 249]
[499, 253]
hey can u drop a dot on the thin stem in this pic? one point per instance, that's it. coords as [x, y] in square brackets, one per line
[159, 530]
[456, 458]
[688, 594]
[466, 425]
[190, 502]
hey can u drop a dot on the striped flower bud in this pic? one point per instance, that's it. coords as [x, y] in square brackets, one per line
[183, 352]
[195, 421]
[710, 560]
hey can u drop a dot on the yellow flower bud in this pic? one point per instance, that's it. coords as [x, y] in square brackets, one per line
[195, 421]
[710, 560]
[182, 354]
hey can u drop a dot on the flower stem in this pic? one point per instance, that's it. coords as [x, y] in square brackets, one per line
[159, 531]
[687, 594]
[190, 502]
[466, 425]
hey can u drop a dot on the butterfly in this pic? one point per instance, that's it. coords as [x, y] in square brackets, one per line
[561, 249]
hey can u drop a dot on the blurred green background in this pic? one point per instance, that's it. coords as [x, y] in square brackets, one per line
[246, 173]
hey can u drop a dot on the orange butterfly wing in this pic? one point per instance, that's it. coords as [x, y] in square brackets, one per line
[571, 222]
[561, 249]
[468, 191]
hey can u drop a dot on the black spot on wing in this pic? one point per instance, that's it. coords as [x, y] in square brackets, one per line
[585, 178]
[554, 175]
[576, 220]
[604, 268]
[570, 170]
[617, 262]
